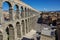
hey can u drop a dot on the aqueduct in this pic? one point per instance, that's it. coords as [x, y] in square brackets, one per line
[16, 20]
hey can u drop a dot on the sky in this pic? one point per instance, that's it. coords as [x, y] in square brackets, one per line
[44, 5]
[40, 5]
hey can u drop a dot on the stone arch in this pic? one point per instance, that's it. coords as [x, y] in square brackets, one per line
[7, 10]
[16, 9]
[9, 4]
[18, 29]
[22, 12]
[10, 32]
[1, 36]
[21, 8]
[23, 28]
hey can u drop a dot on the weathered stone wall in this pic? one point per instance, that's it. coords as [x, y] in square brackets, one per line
[12, 29]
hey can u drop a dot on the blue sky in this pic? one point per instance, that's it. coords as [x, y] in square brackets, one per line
[5, 6]
[44, 5]
[40, 5]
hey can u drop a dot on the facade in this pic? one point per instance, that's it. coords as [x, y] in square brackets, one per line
[53, 15]
[14, 24]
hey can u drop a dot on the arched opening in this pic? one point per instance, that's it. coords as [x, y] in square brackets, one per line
[10, 32]
[25, 12]
[22, 12]
[7, 11]
[16, 10]
[23, 28]
[18, 29]
[26, 26]
[1, 36]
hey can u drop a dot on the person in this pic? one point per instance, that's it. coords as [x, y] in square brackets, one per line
[40, 19]
[49, 19]
[54, 23]
[38, 35]
[57, 32]
[56, 36]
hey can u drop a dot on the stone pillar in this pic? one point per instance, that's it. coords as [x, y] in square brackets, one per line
[14, 15]
[18, 29]
[0, 10]
[30, 23]
[11, 13]
[29, 12]
[23, 27]
[11, 33]
[27, 25]
[24, 12]
[0, 3]
[19, 13]
[26, 22]
[1, 16]
[1, 36]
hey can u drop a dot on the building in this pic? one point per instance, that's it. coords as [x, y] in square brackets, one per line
[14, 24]
[49, 16]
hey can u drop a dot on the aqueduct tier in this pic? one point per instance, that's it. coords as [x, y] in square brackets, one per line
[16, 19]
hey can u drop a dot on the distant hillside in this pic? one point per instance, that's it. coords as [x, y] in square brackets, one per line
[50, 11]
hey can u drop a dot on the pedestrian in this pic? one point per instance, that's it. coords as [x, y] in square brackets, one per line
[56, 36]
[49, 20]
[40, 19]
[54, 23]
[38, 35]
[57, 32]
